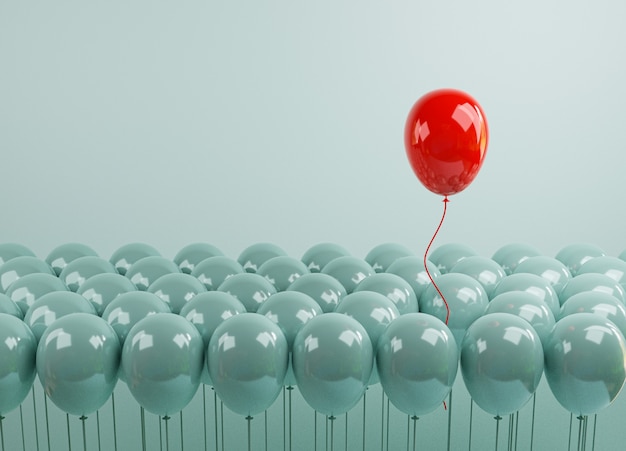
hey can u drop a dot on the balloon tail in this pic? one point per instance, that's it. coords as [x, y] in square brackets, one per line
[45, 405]
[69, 437]
[265, 414]
[216, 425]
[532, 422]
[593, 439]
[445, 205]
[414, 418]
[497, 418]
[36, 426]
[346, 441]
[22, 425]
[249, 419]
[1, 432]
[143, 428]
[471, 417]
[449, 419]
[364, 395]
[182, 436]
[98, 430]
[167, 432]
[290, 389]
[206, 444]
[114, 421]
[82, 420]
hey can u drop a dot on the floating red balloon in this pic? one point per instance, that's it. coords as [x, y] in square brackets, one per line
[446, 140]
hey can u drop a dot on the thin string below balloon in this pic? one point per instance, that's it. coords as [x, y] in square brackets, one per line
[445, 204]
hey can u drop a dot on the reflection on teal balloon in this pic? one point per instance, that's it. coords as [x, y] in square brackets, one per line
[332, 362]
[511, 255]
[382, 256]
[61, 255]
[318, 255]
[549, 268]
[77, 363]
[145, 271]
[324, 289]
[349, 271]
[447, 255]
[501, 362]
[9, 251]
[17, 362]
[395, 288]
[575, 255]
[124, 257]
[9, 307]
[251, 289]
[192, 254]
[613, 267]
[599, 303]
[213, 271]
[247, 359]
[527, 306]
[417, 363]
[176, 289]
[466, 299]
[484, 270]
[52, 306]
[81, 269]
[18, 267]
[252, 257]
[585, 363]
[533, 284]
[101, 289]
[162, 359]
[282, 271]
[412, 270]
[26, 290]
[593, 282]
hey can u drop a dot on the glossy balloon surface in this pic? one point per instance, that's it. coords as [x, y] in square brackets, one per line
[252, 257]
[60, 256]
[323, 288]
[593, 282]
[577, 254]
[531, 283]
[124, 257]
[9, 307]
[176, 289]
[79, 270]
[101, 289]
[318, 255]
[613, 267]
[483, 269]
[26, 290]
[282, 271]
[145, 271]
[213, 271]
[52, 306]
[9, 251]
[512, 254]
[349, 271]
[189, 256]
[446, 256]
[412, 270]
[18, 267]
[251, 289]
[383, 255]
[395, 288]
[549, 268]
[603, 304]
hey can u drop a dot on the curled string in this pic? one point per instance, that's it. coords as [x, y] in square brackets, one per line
[445, 204]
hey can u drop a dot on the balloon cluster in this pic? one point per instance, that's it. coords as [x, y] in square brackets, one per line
[330, 323]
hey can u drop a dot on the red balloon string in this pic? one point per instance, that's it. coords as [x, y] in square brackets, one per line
[445, 204]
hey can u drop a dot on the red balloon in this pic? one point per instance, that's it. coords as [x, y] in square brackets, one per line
[446, 140]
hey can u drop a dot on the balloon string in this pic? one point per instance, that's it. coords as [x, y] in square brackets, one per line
[445, 204]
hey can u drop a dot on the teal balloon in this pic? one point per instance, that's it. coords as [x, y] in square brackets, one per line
[213, 271]
[251, 289]
[577, 254]
[447, 255]
[380, 257]
[77, 362]
[252, 257]
[189, 256]
[417, 363]
[512, 254]
[101, 289]
[9, 307]
[527, 306]
[332, 361]
[413, 271]
[593, 282]
[483, 269]
[52, 306]
[603, 304]
[395, 288]
[613, 267]
[76, 272]
[349, 271]
[162, 360]
[324, 289]
[282, 271]
[19, 267]
[26, 290]
[18, 347]
[549, 268]
[531, 283]
[466, 299]
[501, 362]
[319, 255]
[177, 289]
[148, 269]
[585, 363]
[247, 360]
[60, 256]
[124, 257]
[9, 251]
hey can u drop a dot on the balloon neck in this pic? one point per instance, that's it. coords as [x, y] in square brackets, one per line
[445, 198]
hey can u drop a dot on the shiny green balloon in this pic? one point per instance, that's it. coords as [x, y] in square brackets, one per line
[447, 255]
[324, 289]
[52, 306]
[613, 267]
[466, 299]
[603, 304]
[124, 257]
[592, 282]
[412, 270]
[213, 271]
[318, 255]
[382, 256]
[77, 362]
[251, 289]
[101, 289]
[9, 251]
[26, 290]
[349, 271]
[247, 360]
[18, 347]
[61, 255]
[501, 362]
[81, 269]
[483, 269]
[332, 361]
[575, 255]
[252, 257]
[9, 307]
[395, 288]
[162, 359]
[585, 363]
[512, 254]
[189, 256]
[549, 268]
[18, 267]
[176, 289]
[148, 269]
[417, 362]
[531, 283]
[282, 271]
